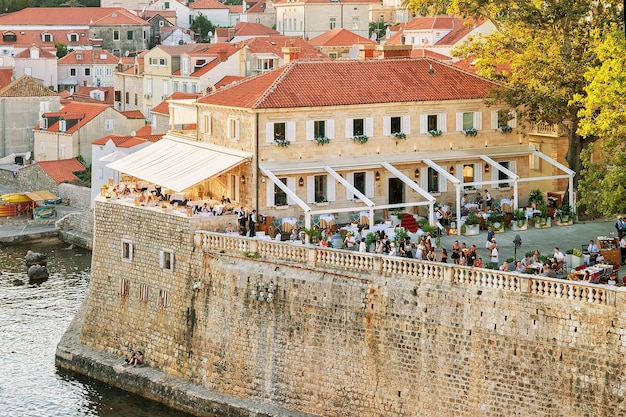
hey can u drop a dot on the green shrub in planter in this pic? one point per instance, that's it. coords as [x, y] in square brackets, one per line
[490, 265]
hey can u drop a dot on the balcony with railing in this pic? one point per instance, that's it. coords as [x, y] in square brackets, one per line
[546, 129]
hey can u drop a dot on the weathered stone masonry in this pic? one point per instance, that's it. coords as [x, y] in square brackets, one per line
[351, 339]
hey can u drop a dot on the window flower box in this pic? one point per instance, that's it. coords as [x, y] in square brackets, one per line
[399, 135]
[282, 207]
[470, 132]
[321, 140]
[505, 129]
[283, 143]
[360, 138]
[435, 133]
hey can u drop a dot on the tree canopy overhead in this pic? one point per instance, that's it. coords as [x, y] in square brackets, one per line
[603, 115]
[540, 52]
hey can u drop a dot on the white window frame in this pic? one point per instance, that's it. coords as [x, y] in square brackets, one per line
[495, 122]
[369, 184]
[495, 174]
[233, 128]
[62, 125]
[290, 131]
[476, 120]
[368, 126]
[441, 122]
[206, 123]
[108, 72]
[70, 70]
[442, 181]
[126, 251]
[87, 72]
[166, 260]
[109, 124]
[98, 71]
[405, 124]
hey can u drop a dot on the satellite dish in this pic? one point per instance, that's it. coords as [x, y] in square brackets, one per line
[126, 53]
[27, 156]
[133, 133]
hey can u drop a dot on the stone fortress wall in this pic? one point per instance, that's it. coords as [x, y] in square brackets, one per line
[351, 334]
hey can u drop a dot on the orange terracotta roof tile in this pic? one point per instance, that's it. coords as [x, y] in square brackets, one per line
[56, 16]
[88, 111]
[131, 142]
[163, 107]
[340, 37]
[6, 76]
[235, 8]
[43, 52]
[207, 4]
[62, 170]
[144, 131]
[103, 141]
[133, 114]
[119, 17]
[274, 44]
[83, 94]
[253, 29]
[258, 7]
[427, 53]
[65, 94]
[89, 57]
[228, 80]
[26, 86]
[461, 29]
[336, 83]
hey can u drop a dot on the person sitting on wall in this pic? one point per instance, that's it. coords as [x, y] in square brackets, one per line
[230, 228]
[126, 190]
[138, 359]
[130, 358]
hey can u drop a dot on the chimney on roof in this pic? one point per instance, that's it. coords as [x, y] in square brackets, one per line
[231, 33]
[222, 55]
[366, 51]
[84, 83]
[290, 53]
[394, 51]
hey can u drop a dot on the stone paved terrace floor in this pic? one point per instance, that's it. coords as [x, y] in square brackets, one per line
[563, 237]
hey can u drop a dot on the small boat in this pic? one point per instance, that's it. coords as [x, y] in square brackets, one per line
[15, 198]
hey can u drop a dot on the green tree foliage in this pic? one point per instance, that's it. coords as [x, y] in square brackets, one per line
[540, 53]
[202, 26]
[62, 50]
[603, 116]
[379, 28]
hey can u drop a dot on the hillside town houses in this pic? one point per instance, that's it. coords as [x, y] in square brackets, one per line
[308, 112]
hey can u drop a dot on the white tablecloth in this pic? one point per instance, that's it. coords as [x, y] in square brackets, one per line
[290, 220]
[327, 217]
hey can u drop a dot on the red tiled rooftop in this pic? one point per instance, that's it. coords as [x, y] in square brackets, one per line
[427, 53]
[62, 170]
[258, 7]
[336, 83]
[340, 37]
[119, 17]
[274, 44]
[228, 80]
[207, 4]
[133, 114]
[253, 29]
[76, 16]
[164, 108]
[87, 57]
[329, 1]
[88, 111]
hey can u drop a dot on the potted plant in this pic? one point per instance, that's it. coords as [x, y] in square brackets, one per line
[370, 241]
[573, 257]
[321, 201]
[314, 234]
[399, 135]
[283, 143]
[496, 221]
[505, 129]
[535, 198]
[471, 225]
[564, 215]
[470, 132]
[519, 220]
[360, 138]
[321, 140]
[435, 133]
[544, 219]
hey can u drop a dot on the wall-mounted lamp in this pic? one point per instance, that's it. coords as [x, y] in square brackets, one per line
[300, 156]
[417, 173]
[450, 146]
[262, 179]
[452, 170]
[487, 168]
[414, 148]
[377, 150]
[485, 144]
[377, 176]
[243, 179]
[339, 152]
[301, 182]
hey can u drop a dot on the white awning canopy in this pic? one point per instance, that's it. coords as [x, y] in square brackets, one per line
[178, 164]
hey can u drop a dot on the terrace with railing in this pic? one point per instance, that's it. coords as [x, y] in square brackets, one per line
[344, 260]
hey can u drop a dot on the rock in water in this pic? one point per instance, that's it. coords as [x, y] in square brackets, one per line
[37, 273]
[35, 258]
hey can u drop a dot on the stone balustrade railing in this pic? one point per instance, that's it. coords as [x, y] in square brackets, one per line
[346, 260]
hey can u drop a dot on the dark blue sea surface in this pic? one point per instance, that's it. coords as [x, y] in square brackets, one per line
[33, 317]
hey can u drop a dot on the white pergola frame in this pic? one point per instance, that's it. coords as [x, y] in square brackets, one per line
[432, 162]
